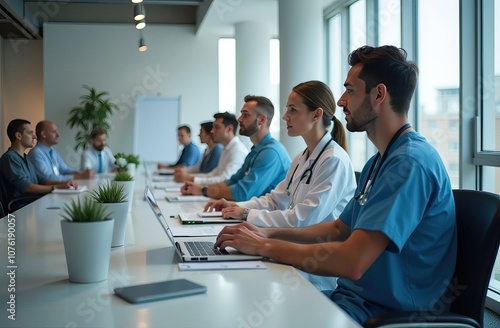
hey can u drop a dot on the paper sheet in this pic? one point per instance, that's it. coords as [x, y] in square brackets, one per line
[229, 265]
[70, 191]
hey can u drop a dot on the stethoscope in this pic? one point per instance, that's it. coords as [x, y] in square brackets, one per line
[307, 173]
[362, 197]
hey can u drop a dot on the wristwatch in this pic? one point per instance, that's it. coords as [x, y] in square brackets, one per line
[244, 214]
[204, 191]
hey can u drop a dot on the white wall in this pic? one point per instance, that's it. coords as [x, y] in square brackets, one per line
[22, 83]
[106, 57]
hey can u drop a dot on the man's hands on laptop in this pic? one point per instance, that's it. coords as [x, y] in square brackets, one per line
[244, 237]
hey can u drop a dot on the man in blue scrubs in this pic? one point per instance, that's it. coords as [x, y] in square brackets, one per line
[394, 245]
[264, 167]
[18, 174]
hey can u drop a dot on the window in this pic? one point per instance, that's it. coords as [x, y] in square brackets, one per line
[227, 76]
[438, 85]
[227, 79]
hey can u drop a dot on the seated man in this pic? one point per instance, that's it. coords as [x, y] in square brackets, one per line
[394, 246]
[264, 167]
[212, 153]
[47, 161]
[233, 155]
[190, 153]
[97, 156]
[18, 175]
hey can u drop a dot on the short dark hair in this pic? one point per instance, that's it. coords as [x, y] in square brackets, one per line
[97, 132]
[41, 126]
[207, 126]
[228, 119]
[16, 125]
[185, 127]
[388, 65]
[264, 106]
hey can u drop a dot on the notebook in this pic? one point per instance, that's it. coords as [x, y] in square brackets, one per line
[178, 197]
[205, 217]
[195, 248]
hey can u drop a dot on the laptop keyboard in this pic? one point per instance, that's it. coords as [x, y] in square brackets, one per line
[202, 248]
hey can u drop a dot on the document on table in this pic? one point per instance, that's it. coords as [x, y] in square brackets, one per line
[230, 265]
[170, 186]
[196, 231]
[178, 197]
[70, 191]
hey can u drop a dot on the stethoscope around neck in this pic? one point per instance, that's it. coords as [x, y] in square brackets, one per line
[307, 173]
[362, 197]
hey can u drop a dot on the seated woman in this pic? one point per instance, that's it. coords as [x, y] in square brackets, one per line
[321, 179]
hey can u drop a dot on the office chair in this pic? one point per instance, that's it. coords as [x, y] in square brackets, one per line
[478, 227]
[358, 175]
[14, 204]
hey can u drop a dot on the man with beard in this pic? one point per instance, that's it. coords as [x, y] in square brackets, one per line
[394, 246]
[97, 156]
[264, 167]
[18, 175]
[48, 163]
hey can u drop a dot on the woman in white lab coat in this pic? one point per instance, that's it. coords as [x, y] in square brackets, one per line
[320, 181]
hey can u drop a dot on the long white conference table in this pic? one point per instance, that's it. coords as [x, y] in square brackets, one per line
[37, 279]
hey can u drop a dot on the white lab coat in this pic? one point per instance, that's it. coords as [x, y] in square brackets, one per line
[331, 187]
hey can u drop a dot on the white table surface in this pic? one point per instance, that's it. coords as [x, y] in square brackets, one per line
[275, 297]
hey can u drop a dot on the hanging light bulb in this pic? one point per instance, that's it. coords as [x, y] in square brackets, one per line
[139, 12]
[142, 45]
[140, 24]
[136, 1]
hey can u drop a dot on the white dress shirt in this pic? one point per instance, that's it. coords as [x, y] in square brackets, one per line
[90, 159]
[232, 158]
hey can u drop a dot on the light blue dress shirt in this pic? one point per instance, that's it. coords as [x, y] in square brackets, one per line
[190, 155]
[49, 164]
[264, 167]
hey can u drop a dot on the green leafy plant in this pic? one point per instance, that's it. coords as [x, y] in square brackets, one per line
[84, 211]
[94, 112]
[121, 161]
[109, 193]
[123, 176]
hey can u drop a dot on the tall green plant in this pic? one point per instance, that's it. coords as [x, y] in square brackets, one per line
[109, 193]
[94, 112]
[84, 211]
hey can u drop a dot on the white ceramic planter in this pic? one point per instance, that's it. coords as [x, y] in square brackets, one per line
[131, 169]
[119, 213]
[87, 246]
[128, 188]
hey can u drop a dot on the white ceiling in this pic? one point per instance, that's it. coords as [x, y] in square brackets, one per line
[23, 19]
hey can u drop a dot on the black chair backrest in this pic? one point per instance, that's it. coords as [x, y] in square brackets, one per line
[478, 226]
[358, 175]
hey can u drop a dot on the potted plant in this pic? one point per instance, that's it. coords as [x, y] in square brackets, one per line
[127, 163]
[127, 181]
[94, 112]
[87, 232]
[113, 198]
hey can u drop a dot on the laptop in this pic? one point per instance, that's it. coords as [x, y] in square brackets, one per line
[198, 249]
[205, 218]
